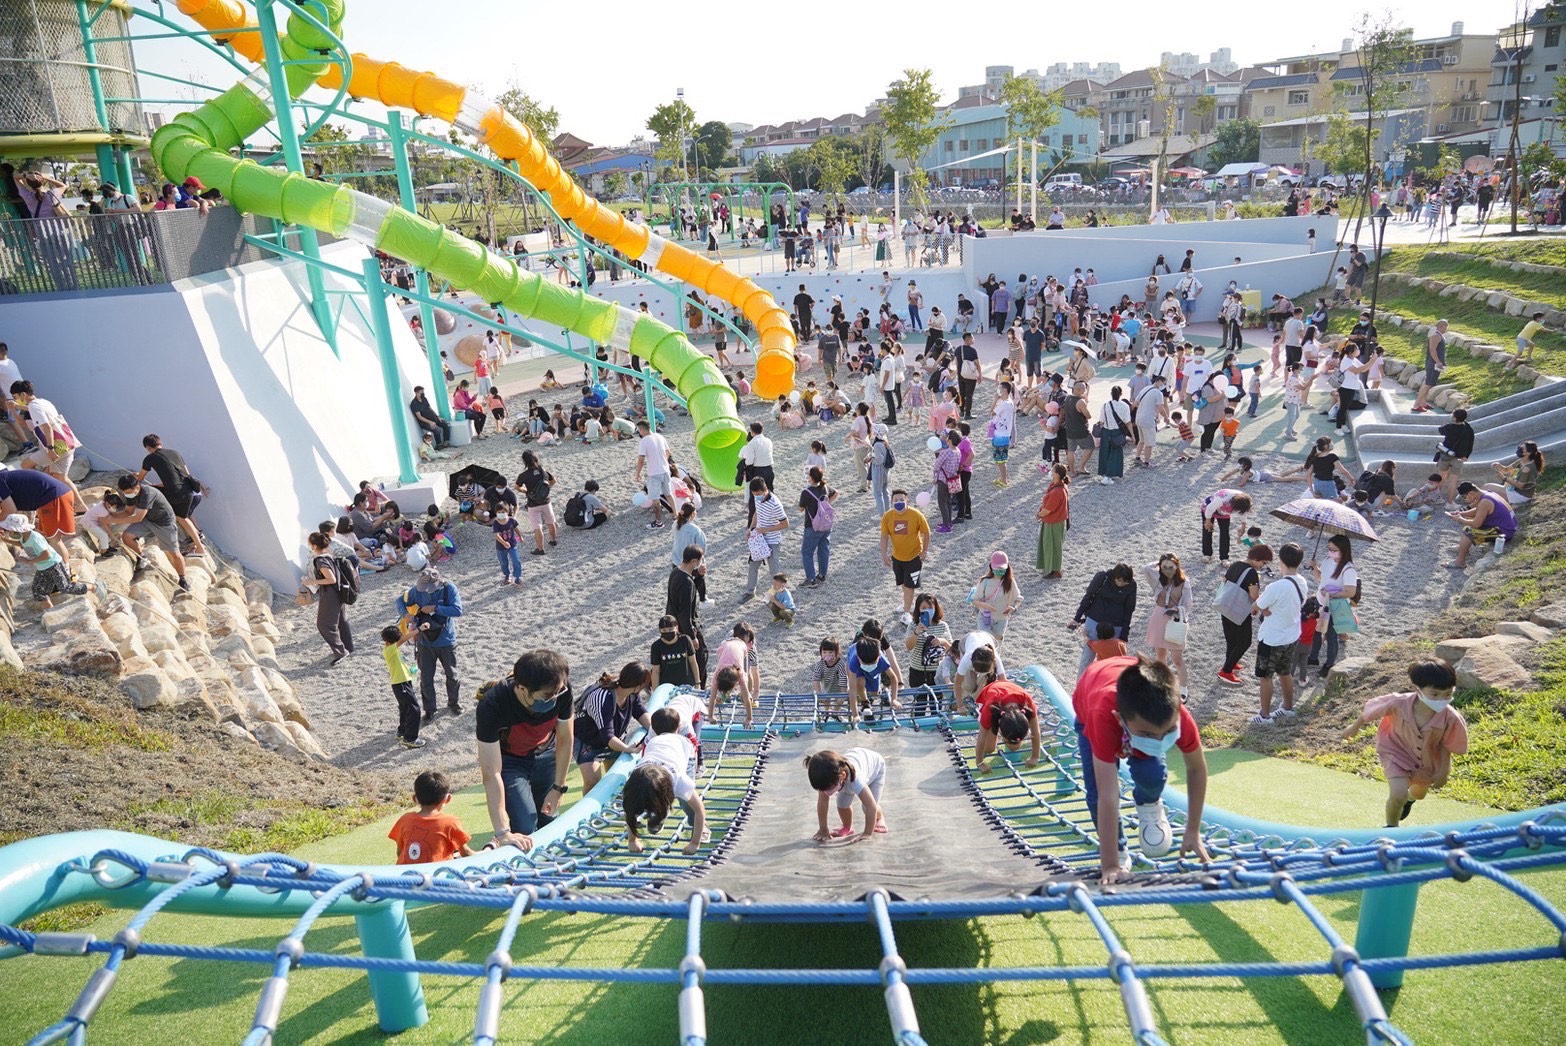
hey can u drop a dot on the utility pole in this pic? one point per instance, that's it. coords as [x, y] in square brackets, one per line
[1514, 62]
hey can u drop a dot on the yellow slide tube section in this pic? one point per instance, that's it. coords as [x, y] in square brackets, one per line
[398, 87]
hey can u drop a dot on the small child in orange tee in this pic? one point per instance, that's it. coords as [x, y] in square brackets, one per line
[429, 834]
[1230, 427]
[1416, 736]
[1105, 645]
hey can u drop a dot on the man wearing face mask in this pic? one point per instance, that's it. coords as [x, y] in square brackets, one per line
[1129, 708]
[905, 541]
[525, 739]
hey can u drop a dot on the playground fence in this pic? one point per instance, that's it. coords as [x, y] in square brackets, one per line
[124, 249]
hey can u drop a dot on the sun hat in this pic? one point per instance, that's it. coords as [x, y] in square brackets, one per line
[16, 523]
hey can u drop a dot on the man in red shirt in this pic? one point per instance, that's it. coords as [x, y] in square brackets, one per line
[1129, 708]
[1007, 710]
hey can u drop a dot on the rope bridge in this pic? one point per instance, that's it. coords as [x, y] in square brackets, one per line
[581, 864]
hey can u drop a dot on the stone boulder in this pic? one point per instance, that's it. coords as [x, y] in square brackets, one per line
[1454, 650]
[1489, 666]
[71, 615]
[225, 620]
[1552, 616]
[275, 738]
[147, 685]
[305, 740]
[1526, 629]
[86, 653]
[1348, 670]
[239, 733]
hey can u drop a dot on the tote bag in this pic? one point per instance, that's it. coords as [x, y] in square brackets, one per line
[1175, 629]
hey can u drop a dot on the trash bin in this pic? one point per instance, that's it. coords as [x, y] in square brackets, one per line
[461, 432]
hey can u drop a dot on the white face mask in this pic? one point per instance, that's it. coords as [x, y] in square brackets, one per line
[1435, 704]
[1157, 746]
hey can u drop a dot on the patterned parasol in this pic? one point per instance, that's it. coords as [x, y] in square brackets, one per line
[1322, 516]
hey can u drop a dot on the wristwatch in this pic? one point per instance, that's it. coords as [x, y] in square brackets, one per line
[562, 789]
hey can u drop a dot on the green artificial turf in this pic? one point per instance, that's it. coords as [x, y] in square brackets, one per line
[187, 1000]
[1289, 792]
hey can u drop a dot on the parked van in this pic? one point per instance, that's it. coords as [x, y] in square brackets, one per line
[1063, 183]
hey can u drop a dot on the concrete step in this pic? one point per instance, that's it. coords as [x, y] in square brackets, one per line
[1413, 467]
[1390, 409]
[1498, 436]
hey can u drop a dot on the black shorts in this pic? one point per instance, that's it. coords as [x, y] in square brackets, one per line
[1274, 660]
[906, 571]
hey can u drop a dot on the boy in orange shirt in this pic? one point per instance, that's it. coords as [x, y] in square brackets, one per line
[1104, 644]
[1230, 427]
[429, 834]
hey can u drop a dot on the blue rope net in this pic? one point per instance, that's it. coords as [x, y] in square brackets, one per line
[1038, 812]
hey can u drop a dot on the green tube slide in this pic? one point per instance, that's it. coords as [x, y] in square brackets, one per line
[197, 143]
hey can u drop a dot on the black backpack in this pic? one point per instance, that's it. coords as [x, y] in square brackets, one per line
[347, 571]
[576, 510]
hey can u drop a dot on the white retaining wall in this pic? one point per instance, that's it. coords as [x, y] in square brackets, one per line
[231, 370]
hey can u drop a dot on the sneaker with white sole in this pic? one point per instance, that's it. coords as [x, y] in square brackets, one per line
[1261, 720]
[706, 835]
[1287, 713]
[1157, 838]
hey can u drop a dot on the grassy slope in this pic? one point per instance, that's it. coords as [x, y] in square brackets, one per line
[193, 1001]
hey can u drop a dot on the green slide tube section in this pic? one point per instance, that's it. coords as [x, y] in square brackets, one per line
[197, 143]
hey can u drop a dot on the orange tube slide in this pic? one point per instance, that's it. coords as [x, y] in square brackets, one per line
[398, 87]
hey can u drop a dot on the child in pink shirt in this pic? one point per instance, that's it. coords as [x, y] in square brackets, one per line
[1417, 736]
[941, 409]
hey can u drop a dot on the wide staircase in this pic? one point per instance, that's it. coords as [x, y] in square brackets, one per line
[1388, 430]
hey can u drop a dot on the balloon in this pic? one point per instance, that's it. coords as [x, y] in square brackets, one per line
[934, 443]
[640, 499]
[1051, 407]
[922, 499]
[793, 397]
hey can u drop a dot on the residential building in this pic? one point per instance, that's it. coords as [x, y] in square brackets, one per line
[1443, 81]
[1188, 65]
[1526, 64]
[591, 164]
[1053, 78]
[979, 129]
[1134, 106]
[846, 125]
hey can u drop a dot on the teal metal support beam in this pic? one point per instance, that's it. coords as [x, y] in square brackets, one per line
[397, 135]
[282, 106]
[391, 374]
[100, 107]
[1386, 924]
[398, 997]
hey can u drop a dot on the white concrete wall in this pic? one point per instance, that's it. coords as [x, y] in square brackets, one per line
[231, 370]
[1272, 252]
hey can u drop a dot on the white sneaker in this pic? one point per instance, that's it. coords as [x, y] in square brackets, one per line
[1157, 839]
[1125, 858]
[706, 835]
[907, 619]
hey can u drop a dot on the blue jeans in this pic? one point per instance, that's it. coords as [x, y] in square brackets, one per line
[1324, 488]
[527, 780]
[883, 493]
[1255, 402]
[1148, 776]
[815, 552]
[1090, 631]
[913, 318]
[510, 562]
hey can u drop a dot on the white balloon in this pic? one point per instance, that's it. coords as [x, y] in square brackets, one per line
[793, 397]
[640, 499]
[934, 443]
[922, 499]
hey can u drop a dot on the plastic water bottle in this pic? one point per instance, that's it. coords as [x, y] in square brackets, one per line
[1500, 544]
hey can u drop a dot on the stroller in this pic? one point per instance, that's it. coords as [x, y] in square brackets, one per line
[930, 253]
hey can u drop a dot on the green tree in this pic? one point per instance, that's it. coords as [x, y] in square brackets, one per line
[1238, 141]
[870, 155]
[674, 123]
[1030, 113]
[767, 169]
[913, 124]
[1386, 54]
[1204, 107]
[713, 139]
[832, 161]
[1342, 148]
[614, 184]
[1164, 100]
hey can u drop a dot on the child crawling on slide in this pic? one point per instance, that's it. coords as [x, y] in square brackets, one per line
[664, 775]
[856, 772]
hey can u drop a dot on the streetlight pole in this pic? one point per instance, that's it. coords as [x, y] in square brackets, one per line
[1379, 228]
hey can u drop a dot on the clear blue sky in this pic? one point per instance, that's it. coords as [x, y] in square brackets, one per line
[597, 66]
